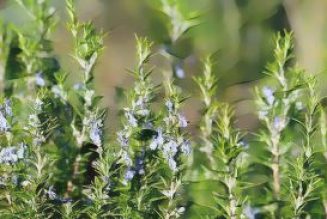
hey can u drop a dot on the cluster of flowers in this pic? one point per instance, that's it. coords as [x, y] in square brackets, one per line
[169, 144]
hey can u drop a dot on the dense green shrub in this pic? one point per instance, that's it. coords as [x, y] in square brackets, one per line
[57, 159]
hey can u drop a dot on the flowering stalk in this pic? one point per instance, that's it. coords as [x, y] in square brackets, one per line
[41, 192]
[87, 124]
[223, 146]
[208, 84]
[304, 182]
[136, 155]
[28, 194]
[274, 106]
[36, 48]
[175, 145]
[228, 147]
[87, 46]
[33, 180]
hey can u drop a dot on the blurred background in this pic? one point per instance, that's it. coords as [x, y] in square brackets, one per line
[239, 33]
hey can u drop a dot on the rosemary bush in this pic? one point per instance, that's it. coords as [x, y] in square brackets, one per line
[57, 159]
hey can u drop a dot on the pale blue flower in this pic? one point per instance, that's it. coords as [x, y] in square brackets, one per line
[182, 122]
[140, 102]
[122, 139]
[21, 151]
[88, 97]
[129, 175]
[268, 94]
[9, 155]
[51, 193]
[58, 92]
[170, 105]
[179, 71]
[126, 158]
[250, 212]
[131, 119]
[157, 141]
[39, 80]
[143, 112]
[186, 147]
[139, 165]
[96, 132]
[170, 148]
[8, 108]
[38, 104]
[172, 164]
[4, 126]
[278, 123]
[78, 86]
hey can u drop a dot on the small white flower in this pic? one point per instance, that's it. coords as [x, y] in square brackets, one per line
[78, 86]
[172, 164]
[139, 166]
[25, 183]
[182, 122]
[122, 139]
[170, 105]
[51, 193]
[131, 119]
[243, 144]
[21, 151]
[141, 102]
[143, 112]
[181, 210]
[168, 193]
[148, 125]
[4, 126]
[179, 71]
[8, 109]
[96, 132]
[38, 104]
[39, 80]
[129, 175]
[268, 94]
[250, 212]
[8, 155]
[88, 97]
[170, 148]
[58, 92]
[186, 147]
[157, 141]
[126, 158]
[262, 114]
[279, 124]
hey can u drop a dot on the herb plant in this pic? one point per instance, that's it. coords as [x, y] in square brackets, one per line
[58, 158]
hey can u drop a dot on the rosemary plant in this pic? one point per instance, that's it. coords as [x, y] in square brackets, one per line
[57, 160]
[274, 107]
[223, 146]
[208, 84]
